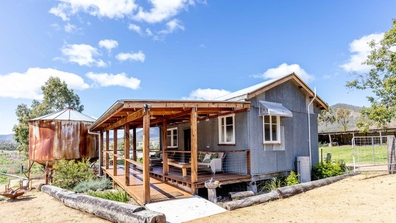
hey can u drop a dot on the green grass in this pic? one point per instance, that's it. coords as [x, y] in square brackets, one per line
[365, 154]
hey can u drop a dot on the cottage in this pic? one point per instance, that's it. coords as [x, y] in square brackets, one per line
[245, 136]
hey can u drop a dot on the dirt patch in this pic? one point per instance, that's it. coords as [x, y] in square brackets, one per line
[363, 198]
[41, 207]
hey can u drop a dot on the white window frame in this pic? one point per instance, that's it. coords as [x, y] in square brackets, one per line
[278, 130]
[171, 137]
[225, 128]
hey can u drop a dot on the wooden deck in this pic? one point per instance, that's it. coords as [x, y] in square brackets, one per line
[159, 190]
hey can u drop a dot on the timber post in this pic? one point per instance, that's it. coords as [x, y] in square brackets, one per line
[165, 167]
[126, 153]
[391, 154]
[194, 149]
[146, 154]
[100, 153]
[114, 152]
[134, 144]
[107, 150]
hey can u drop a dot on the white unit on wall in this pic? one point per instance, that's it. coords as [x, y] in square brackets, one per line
[304, 169]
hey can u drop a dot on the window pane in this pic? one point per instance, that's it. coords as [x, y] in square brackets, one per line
[274, 119]
[222, 134]
[222, 121]
[174, 140]
[266, 119]
[229, 120]
[274, 133]
[169, 140]
[267, 132]
[230, 134]
[169, 132]
[174, 131]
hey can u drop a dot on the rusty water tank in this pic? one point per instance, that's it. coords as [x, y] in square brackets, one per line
[62, 135]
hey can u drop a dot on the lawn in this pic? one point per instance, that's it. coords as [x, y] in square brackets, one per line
[365, 154]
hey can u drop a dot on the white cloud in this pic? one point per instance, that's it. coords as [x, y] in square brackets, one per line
[149, 33]
[82, 54]
[285, 69]
[28, 85]
[162, 10]
[101, 8]
[206, 94]
[69, 28]
[135, 28]
[109, 44]
[360, 49]
[139, 56]
[56, 26]
[202, 46]
[172, 26]
[106, 80]
[326, 76]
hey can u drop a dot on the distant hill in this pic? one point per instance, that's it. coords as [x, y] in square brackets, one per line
[154, 135]
[353, 119]
[8, 137]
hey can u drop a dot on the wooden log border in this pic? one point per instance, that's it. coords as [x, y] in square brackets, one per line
[283, 192]
[109, 210]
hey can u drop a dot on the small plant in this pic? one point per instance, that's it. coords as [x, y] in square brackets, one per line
[272, 184]
[93, 185]
[344, 167]
[323, 170]
[2, 198]
[69, 173]
[119, 195]
[292, 179]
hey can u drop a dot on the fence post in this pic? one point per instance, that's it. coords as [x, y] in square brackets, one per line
[391, 154]
[372, 144]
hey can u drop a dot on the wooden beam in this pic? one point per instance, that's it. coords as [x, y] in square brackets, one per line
[248, 167]
[107, 149]
[146, 154]
[115, 152]
[165, 165]
[123, 121]
[126, 153]
[194, 149]
[101, 153]
[134, 144]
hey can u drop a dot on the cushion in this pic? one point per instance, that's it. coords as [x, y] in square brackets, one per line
[207, 156]
[201, 157]
[206, 161]
[214, 156]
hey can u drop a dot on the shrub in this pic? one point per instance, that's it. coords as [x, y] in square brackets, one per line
[344, 167]
[119, 195]
[93, 185]
[272, 184]
[2, 198]
[323, 170]
[292, 179]
[69, 173]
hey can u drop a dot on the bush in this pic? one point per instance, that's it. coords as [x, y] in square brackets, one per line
[323, 170]
[69, 173]
[344, 167]
[93, 185]
[270, 185]
[119, 195]
[292, 179]
[323, 144]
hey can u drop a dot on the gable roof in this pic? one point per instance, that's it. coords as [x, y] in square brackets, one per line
[252, 91]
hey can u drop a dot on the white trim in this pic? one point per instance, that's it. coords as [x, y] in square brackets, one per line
[277, 129]
[224, 128]
[171, 137]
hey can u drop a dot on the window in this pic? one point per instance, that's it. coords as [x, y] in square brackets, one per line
[172, 138]
[227, 129]
[271, 127]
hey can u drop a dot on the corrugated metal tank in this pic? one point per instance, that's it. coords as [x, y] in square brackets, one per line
[62, 135]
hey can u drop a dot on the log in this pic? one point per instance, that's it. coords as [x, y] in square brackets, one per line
[110, 210]
[242, 194]
[283, 192]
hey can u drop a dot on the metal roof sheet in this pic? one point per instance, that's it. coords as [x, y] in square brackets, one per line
[65, 114]
[274, 109]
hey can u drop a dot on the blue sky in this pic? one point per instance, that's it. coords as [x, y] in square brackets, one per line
[170, 49]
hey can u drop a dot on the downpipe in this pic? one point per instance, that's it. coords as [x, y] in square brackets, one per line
[309, 129]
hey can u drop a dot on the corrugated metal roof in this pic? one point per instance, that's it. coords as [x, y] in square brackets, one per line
[65, 114]
[248, 90]
[274, 109]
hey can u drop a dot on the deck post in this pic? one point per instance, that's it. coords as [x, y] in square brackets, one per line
[194, 149]
[126, 153]
[114, 152]
[134, 143]
[100, 153]
[248, 171]
[107, 150]
[165, 167]
[146, 154]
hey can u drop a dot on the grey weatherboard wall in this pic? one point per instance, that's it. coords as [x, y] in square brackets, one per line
[265, 159]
